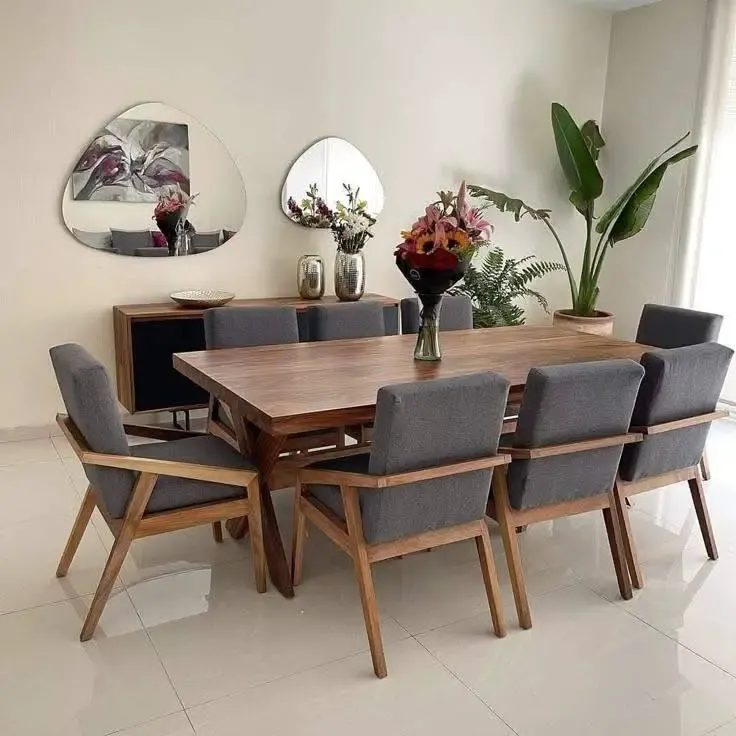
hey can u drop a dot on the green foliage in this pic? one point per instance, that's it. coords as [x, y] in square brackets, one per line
[578, 149]
[495, 284]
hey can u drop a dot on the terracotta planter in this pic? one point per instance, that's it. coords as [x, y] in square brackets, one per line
[601, 324]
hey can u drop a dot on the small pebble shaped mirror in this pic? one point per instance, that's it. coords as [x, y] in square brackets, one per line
[154, 182]
[324, 170]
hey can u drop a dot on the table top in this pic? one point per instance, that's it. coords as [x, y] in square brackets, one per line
[172, 309]
[292, 388]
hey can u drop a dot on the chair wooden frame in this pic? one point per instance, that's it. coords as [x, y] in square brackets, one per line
[694, 477]
[136, 524]
[348, 536]
[510, 519]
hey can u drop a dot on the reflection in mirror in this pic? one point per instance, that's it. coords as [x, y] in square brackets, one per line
[331, 164]
[154, 182]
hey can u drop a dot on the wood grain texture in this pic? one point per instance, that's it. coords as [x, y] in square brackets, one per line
[171, 310]
[286, 389]
[520, 453]
[701, 511]
[364, 481]
[682, 423]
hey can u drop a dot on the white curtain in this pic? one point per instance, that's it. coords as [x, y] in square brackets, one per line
[705, 277]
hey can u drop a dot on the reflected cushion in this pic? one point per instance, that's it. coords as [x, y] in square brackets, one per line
[126, 241]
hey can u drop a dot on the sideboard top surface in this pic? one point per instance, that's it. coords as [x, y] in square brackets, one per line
[171, 309]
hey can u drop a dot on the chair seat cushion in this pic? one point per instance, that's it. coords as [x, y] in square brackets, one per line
[175, 493]
[330, 495]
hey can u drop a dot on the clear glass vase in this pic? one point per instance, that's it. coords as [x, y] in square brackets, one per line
[428, 338]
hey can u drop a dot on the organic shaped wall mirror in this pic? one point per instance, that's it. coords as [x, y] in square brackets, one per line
[154, 182]
[331, 164]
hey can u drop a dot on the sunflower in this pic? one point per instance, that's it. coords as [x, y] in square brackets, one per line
[458, 240]
[425, 243]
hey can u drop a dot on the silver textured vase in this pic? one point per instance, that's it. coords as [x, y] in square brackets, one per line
[310, 277]
[349, 276]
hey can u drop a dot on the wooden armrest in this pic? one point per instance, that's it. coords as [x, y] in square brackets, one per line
[363, 480]
[682, 423]
[520, 453]
[174, 468]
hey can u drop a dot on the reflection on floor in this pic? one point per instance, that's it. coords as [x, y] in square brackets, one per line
[186, 646]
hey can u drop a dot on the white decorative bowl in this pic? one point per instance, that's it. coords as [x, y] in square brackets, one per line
[202, 298]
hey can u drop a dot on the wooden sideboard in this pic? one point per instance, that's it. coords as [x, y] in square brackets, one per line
[147, 335]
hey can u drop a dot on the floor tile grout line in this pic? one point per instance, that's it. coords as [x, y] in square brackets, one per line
[732, 722]
[466, 686]
[158, 655]
[621, 607]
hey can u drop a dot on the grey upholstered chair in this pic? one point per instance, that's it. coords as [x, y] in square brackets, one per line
[662, 326]
[572, 427]
[245, 327]
[346, 321]
[456, 314]
[423, 484]
[145, 489]
[674, 410]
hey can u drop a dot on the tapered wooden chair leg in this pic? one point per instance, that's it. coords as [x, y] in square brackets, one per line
[701, 511]
[255, 523]
[511, 547]
[298, 538]
[632, 558]
[75, 537]
[490, 579]
[617, 553]
[133, 513]
[217, 532]
[365, 579]
[705, 467]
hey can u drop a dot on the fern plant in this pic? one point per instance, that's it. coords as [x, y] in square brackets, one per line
[496, 284]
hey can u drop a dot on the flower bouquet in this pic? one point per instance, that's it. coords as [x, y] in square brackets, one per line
[351, 226]
[170, 214]
[435, 255]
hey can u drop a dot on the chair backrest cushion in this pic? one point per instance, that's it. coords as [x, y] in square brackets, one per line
[91, 405]
[347, 321]
[430, 423]
[674, 327]
[456, 313]
[243, 327]
[565, 404]
[678, 383]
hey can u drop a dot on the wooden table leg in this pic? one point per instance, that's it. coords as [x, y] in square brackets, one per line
[264, 450]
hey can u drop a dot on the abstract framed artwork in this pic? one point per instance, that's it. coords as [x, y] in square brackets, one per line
[131, 160]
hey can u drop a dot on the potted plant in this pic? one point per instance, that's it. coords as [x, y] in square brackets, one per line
[578, 148]
[495, 285]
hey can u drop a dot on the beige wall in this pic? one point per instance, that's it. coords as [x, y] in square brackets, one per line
[428, 90]
[651, 99]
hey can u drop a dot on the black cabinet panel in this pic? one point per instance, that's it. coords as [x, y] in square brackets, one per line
[157, 385]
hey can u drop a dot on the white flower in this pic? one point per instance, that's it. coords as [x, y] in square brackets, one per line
[354, 223]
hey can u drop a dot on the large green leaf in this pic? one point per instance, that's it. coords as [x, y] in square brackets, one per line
[581, 170]
[504, 203]
[615, 210]
[593, 138]
[635, 214]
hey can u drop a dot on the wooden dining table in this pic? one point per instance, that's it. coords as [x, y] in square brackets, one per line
[276, 391]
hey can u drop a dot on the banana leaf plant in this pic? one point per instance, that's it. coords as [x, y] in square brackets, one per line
[578, 148]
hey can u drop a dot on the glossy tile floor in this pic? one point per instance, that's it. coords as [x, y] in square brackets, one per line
[186, 646]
